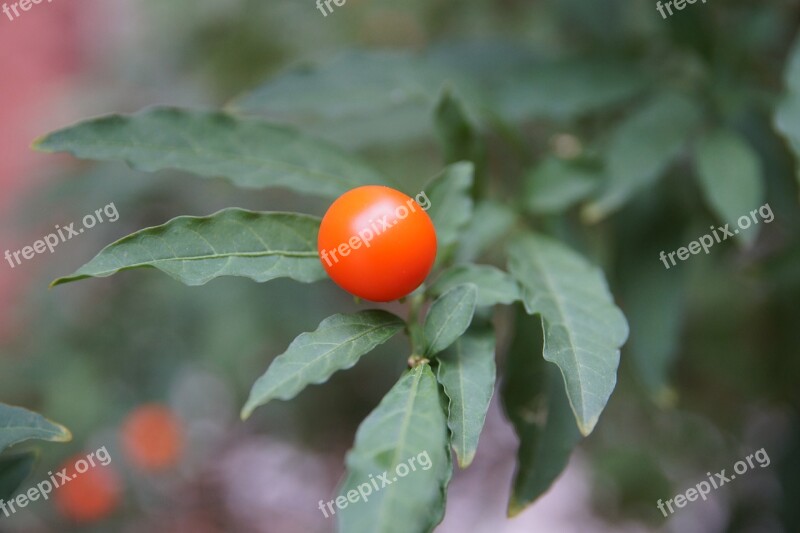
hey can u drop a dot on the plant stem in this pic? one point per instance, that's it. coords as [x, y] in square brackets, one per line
[414, 327]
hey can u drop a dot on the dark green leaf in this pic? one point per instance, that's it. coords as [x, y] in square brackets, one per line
[451, 204]
[655, 329]
[787, 116]
[14, 469]
[467, 374]
[642, 148]
[534, 398]
[232, 242]
[408, 427]
[18, 425]
[351, 83]
[547, 438]
[337, 344]
[567, 89]
[250, 153]
[494, 285]
[458, 133]
[583, 329]
[449, 317]
[488, 224]
[358, 98]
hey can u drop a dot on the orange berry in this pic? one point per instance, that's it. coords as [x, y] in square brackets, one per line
[89, 496]
[152, 438]
[377, 243]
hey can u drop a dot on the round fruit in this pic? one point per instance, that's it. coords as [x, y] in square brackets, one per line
[152, 438]
[377, 243]
[90, 495]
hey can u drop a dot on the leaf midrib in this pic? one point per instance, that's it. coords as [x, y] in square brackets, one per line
[327, 353]
[210, 257]
[412, 397]
[447, 320]
[224, 156]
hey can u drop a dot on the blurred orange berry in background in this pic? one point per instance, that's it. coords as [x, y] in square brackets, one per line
[89, 496]
[152, 438]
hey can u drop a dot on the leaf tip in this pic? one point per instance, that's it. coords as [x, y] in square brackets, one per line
[465, 459]
[514, 507]
[592, 213]
[64, 436]
[247, 410]
[38, 144]
[587, 426]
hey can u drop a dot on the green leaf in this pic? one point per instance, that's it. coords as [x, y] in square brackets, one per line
[250, 153]
[357, 98]
[547, 439]
[489, 61]
[451, 204]
[534, 398]
[408, 427]
[14, 469]
[787, 120]
[787, 115]
[730, 177]
[351, 83]
[494, 285]
[337, 344]
[655, 329]
[555, 185]
[567, 89]
[449, 317]
[231, 242]
[467, 374]
[458, 133]
[488, 224]
[583, 329]
[18, 425]
[643, 147]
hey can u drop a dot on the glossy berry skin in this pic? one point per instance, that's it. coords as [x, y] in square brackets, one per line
[377, 243]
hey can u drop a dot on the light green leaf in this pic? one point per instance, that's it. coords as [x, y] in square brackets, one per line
[467, 374]
[555, 185]
[583, 329]
[250, 153]
[567, 89]
[642, 148]
[534, 398]
[488, 224]
[409, 428]
[730, 177]
[449, 317]
[337, 344]
[18, 425]
[231, 242]
[451, 204]
[494, 285]
[14, 469]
